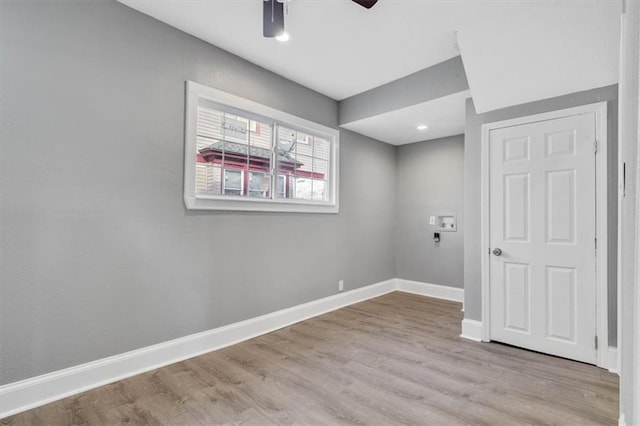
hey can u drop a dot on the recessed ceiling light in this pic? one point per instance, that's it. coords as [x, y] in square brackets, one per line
[283, 37]
[422, 127]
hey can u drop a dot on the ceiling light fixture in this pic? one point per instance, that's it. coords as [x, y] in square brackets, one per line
[422, 127]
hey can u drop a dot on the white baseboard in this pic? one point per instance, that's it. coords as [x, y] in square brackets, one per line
[472, 330]
[40, 390]
[612, 360]
[33, 392]
[431, 290]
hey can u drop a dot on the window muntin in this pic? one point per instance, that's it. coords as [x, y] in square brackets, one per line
[237, 147]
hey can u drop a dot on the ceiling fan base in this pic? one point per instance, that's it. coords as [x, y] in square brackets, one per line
[272, 18]
[366, 3]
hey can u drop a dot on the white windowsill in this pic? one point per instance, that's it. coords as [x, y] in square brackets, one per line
[264, 205]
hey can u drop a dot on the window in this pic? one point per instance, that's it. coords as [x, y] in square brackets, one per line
[241, 155]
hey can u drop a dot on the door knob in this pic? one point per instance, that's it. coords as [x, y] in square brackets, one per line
[497, 251]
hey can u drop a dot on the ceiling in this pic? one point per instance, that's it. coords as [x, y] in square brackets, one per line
[336, 47]
[525, 52]
[514, 51]
[443, 116]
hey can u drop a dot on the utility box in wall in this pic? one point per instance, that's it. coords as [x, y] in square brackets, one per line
[446, 223]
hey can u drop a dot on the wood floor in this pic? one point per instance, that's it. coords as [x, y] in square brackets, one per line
[390, 360]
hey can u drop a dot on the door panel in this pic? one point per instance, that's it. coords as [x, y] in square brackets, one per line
[542, 217]
[560, 143]
[561, 212]
[516, 207]
[516, 149]
[517, 299]
[561, 303]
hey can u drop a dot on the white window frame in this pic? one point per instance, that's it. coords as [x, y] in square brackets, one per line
[193, 201]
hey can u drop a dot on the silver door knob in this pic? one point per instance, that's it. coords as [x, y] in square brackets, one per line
[497, 251]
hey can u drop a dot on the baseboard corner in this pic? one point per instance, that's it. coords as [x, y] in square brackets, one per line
[471, 330]
[437, 291]
[621, 421]
[612, 360]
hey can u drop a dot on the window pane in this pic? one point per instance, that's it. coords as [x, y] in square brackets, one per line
[286, 154]
[319, 190]
[304, 144]
[286, 140]
[260, 134]
[303, 188]
[235, 129]
[233, 182]
[286, 187]
[321, 148]
[209, 125]
[281, 186]
[235, 146]
[320, 169]
[208, 180]
[259, 184]
[305, 164]
[260, 147]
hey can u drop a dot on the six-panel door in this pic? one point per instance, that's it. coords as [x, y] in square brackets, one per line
[542, 217]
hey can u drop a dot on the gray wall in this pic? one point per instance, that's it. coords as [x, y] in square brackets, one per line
[430, 182]
[472, 249]
[98, 254]
[442, 79]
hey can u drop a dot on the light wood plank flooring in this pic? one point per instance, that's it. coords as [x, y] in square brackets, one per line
[390, 360]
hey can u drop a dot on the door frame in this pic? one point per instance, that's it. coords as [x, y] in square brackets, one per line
[600, 109]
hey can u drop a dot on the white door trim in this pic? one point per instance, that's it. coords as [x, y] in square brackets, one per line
[600, 110]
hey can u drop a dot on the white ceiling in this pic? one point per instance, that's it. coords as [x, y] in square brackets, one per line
[514, 51]
[444, 116]
[529, 52]
[337, 47]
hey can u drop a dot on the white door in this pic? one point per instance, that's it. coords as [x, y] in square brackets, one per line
[543, 220]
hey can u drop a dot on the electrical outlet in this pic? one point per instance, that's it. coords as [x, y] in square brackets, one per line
[340, 285]
[432, 220]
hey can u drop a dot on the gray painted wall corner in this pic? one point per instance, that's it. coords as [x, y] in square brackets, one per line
[430, 182]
